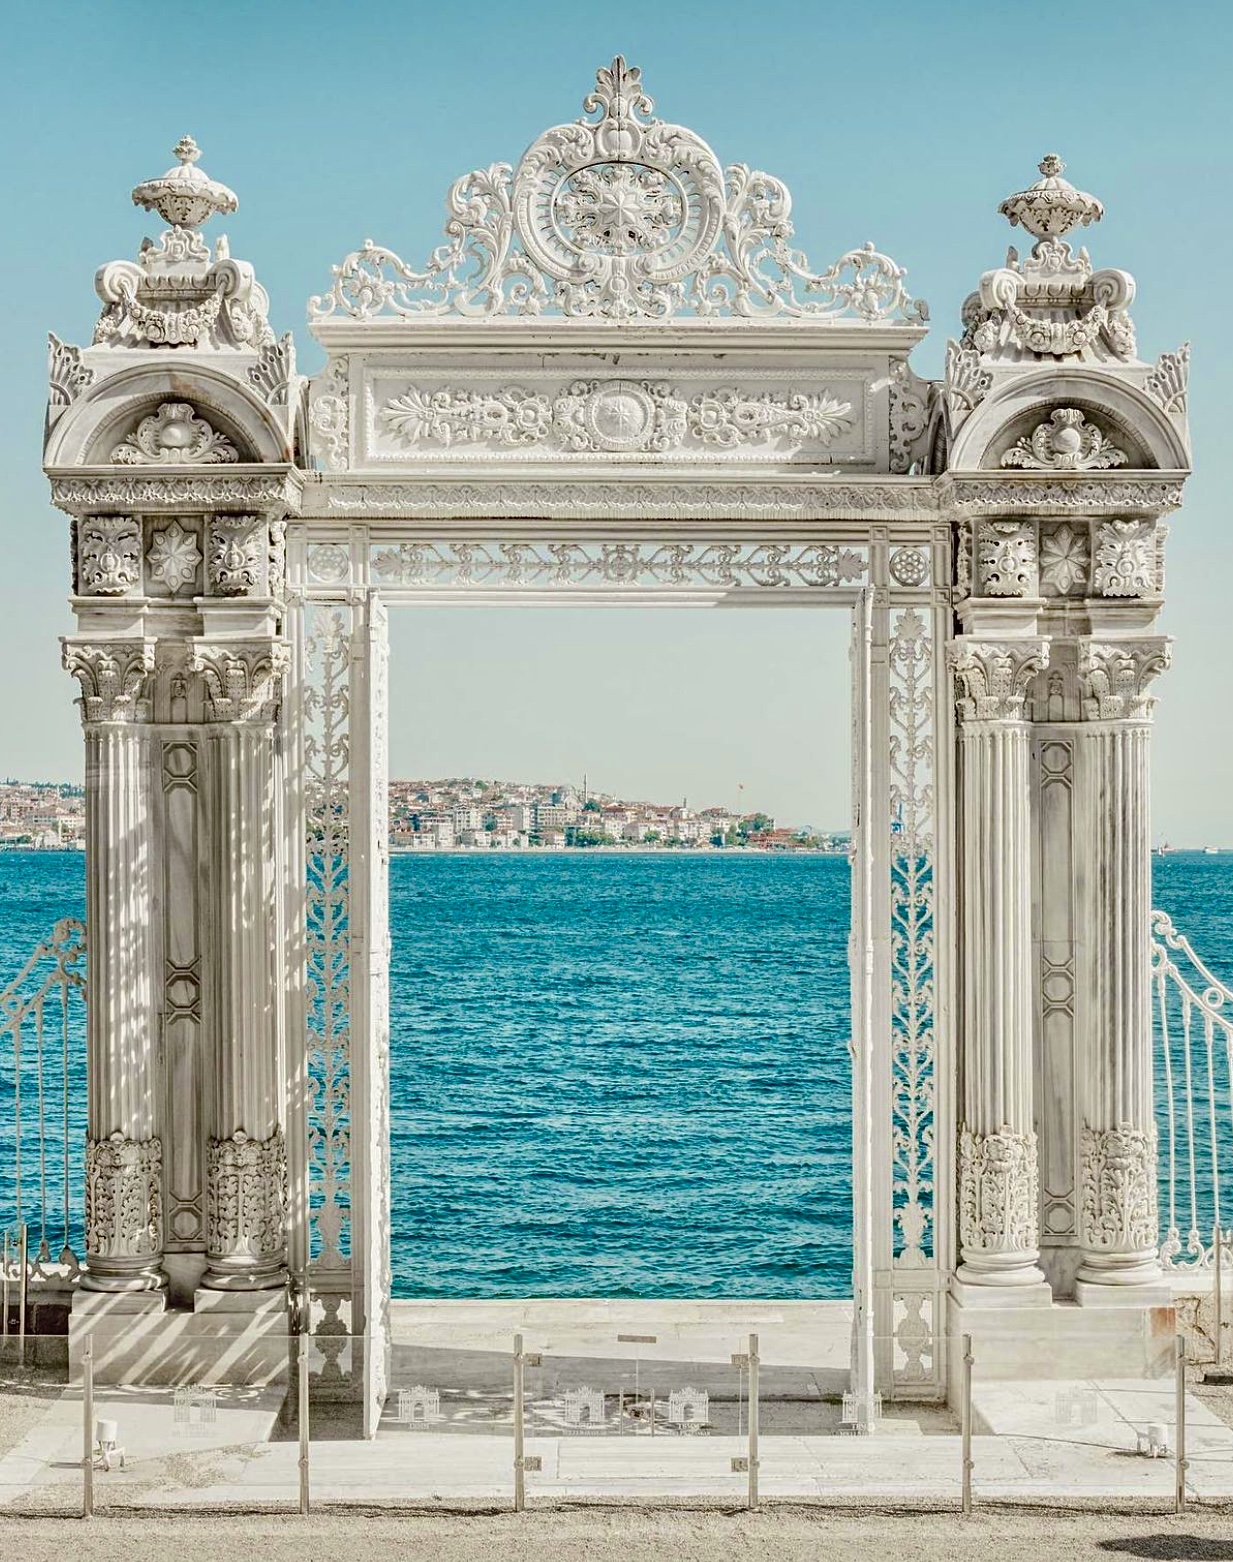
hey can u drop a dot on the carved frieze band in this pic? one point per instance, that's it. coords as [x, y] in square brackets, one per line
[998, 1191]
[992, 676]
[1114, 677]
[1118, 1176]
[114, 678]
[1028, 558]
[244, 554]
[124, 1209]
[163, 490]
[246, 1197]
[244, 681]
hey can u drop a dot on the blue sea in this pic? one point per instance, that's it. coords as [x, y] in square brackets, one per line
[612, 1075]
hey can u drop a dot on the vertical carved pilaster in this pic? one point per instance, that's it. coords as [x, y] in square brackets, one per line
[999, 1221]
[1117, 1142]
[246, 1159]
[124, 1235]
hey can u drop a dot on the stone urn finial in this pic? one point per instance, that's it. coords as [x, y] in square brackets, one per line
[1052, 206]
[185, 196]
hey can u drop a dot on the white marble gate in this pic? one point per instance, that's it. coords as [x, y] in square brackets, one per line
[616, 382]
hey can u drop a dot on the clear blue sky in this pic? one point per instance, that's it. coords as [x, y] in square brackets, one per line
[904, 123]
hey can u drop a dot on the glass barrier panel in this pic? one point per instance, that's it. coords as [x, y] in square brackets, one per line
[41, 1439]
[659, 1408]
[187, 1421]
[1082, 1419]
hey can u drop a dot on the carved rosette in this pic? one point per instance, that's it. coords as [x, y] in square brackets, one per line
[1118, 1173]
[1114, 677]
[114, 677]
[239, 556]
[246, 1211]
[992, 677]
[108, 555]
[124, 1213]
[244, 682]
[997, 1192]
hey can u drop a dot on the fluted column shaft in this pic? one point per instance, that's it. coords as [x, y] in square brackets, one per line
[999, 1223]
[1117, 1150]
[124, 1212]
[246, 1175]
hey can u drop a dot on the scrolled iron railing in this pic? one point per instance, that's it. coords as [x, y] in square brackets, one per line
[42, 1109]
[1193, 1017]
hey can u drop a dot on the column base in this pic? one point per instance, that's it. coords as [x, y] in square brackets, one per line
[1132, 1279]
[1032, 1293]
[115, 1277]
[222, 1276]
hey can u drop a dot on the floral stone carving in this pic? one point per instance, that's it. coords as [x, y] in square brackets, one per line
[1114, 677]
[244, 682]
[1118, 1175]
[113, 675]
[174, 436]
[1064, 559]
[992, 676]
[246, 1200]
[108, 555]
[997, 1191]
[174, 557]
[1006, 557]
[1066, 442]
[124, 1212]
[239, 555]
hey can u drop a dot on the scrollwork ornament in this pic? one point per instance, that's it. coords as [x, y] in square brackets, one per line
[246, 1199]
[244, 683]
[124, 1217]
[1118, 1177]
[174, 435]
[329, 415]
[1115, 675]
[998, 1191]
[1065, 442]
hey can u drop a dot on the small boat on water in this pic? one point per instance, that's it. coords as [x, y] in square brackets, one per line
[1211, 851]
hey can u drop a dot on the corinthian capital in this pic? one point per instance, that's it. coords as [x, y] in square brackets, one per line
[992, 676]
[114, 677]
[243, 680]
[1114, 676]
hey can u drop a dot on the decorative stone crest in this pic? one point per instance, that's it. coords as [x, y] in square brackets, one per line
[244, 682]
[124, 1209]
[272, 374]
[246, 1207]
[239, 556]
[1006, 558]
[1126, 559]
[108, 555]
[909, 400]
[992, 677]
[1065, 558]
[329, 414]
[175, 435]
[997, 1191]
[174, 557]
[1118, 1177]
[1114, 677]
[185, 196]
[966, 382]
[113, 676]
[1066, 442]
[618, 216]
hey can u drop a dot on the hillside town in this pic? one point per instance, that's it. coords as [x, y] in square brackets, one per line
[455, 814]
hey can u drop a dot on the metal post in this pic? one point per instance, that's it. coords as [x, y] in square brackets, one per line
[1181, 1463]
[4, 1317]
[23, 1282]
[1219, 1284]
[304, 1428]
[966, 1423]
[87, 1431]
[753, 1423]
[520, 1484]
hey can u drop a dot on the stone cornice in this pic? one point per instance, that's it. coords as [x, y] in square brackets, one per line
[1082, 493]
[273, 490]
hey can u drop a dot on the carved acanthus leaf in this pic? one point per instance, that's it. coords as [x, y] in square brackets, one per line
[1126, 563]
[239, 556]
[1114, 677]
[243, 681]
[108, 555]
[1118, 1178]
[998, 1195]
[966, 381]
[1006, 556]
[1167, 383]
[274, 370]
[992, 676]
[67, 376]
[124, 1212]
[246, 1198]
[113, 675]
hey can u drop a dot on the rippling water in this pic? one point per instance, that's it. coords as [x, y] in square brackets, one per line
[612, 1075]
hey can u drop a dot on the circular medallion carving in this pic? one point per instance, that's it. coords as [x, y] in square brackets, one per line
[909, 566]
[619, 416]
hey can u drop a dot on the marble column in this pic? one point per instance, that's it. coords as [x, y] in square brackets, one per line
[124, 1214]
[998, 1179]
[246, 1170]
[1118, 1223]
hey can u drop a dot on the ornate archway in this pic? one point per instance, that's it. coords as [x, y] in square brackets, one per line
[617, 381]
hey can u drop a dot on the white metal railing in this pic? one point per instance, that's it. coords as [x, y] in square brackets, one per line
[42, 1100]
[1193, 1016]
